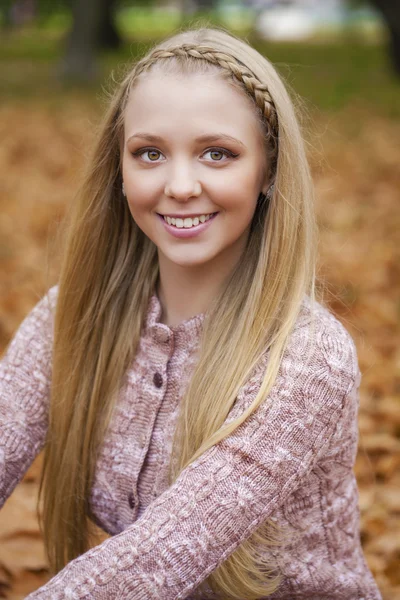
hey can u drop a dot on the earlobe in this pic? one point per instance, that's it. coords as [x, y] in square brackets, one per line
[268, 182]
[270, 191]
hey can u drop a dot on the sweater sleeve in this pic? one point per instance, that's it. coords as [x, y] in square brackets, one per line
[220, 499]
[24, 388]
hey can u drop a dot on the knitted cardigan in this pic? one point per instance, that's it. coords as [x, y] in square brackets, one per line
[291, 461]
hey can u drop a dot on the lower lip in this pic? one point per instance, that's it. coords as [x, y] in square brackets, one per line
[188, 232]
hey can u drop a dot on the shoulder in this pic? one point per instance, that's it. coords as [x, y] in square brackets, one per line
[43, 312]
[320, 358]
[324, 344]
[49, 301]
[37, 327]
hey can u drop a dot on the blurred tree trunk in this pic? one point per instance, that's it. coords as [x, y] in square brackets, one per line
[108, 38]
[390, 10]
[186, 7]
[93, 28]
[6, 14]
[79, 59]
[189, 7]
[206, 4]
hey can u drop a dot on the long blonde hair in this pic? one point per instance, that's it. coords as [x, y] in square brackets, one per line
[109, 272]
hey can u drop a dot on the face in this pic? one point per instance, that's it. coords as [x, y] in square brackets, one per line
[193, 147]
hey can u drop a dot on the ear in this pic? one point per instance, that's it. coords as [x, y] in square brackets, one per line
[268, 181]
[265, 189]
[268, 177]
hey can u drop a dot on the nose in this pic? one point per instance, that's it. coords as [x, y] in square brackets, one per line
[182, 183]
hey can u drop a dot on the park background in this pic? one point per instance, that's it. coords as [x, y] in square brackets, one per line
[342, 59]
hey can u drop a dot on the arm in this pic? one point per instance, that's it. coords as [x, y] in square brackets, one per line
[220, 499]
[24, 387]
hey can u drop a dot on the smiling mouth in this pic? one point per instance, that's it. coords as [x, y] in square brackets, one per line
[187, 223]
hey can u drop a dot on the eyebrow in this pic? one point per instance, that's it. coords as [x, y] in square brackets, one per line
[202, 139]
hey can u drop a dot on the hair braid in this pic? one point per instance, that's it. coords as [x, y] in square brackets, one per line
[253, 86]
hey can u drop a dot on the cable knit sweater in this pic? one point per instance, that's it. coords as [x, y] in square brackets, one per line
[290, 461]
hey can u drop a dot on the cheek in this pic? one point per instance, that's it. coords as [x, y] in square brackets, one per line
[238, 194]
[138, 206]
[141, 195]
[140, 187]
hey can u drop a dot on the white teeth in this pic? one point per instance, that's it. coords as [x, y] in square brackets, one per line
[187, 222]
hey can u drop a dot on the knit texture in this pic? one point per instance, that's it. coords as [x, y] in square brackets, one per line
[290, 461]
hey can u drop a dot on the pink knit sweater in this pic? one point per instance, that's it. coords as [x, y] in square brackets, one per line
[290, 461]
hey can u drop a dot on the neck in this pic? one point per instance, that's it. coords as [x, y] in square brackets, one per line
[188, 291]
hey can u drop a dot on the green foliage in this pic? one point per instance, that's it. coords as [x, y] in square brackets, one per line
[139, 21]
[329, 75]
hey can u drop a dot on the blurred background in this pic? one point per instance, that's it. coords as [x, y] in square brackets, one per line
[341, 60]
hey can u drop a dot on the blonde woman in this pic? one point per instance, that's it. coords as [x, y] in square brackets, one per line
[193, 397]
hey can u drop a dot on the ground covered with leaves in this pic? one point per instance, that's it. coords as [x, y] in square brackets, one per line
[355, 155]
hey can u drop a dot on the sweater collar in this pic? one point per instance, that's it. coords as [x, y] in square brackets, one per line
[183, 335]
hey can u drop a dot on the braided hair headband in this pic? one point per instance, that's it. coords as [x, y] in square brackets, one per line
[252, 85]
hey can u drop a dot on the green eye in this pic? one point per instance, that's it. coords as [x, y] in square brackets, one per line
[216, 154]
[153, 154]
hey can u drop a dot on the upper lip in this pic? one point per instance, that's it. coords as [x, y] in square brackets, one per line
[176, 216]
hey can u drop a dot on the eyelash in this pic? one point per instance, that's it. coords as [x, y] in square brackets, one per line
[228, 153]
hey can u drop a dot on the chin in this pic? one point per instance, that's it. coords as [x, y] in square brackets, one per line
[185, 261]
[189, 263]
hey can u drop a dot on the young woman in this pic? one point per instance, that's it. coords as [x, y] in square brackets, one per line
[193, 398]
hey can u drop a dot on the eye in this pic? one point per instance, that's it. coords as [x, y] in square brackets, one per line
[152, 154]
[217, 154]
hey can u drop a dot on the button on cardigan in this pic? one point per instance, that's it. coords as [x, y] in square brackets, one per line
[291, 461]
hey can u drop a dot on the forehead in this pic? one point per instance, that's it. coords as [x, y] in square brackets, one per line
[196, 103]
